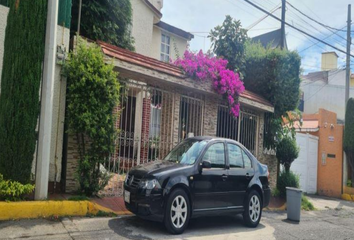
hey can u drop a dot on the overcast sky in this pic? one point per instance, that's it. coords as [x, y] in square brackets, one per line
[199, 16]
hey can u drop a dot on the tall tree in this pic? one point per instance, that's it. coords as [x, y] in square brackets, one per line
[105, 20]
[20, 82]
[228, 41]
[348, 143]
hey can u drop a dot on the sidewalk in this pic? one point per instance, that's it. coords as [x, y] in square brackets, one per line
[116, 204]
[323, 203]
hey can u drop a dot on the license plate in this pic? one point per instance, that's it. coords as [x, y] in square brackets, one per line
[127, 196]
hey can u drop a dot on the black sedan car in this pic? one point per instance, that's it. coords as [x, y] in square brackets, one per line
[200, 176]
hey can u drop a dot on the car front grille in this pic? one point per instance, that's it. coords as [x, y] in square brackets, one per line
[133, 183]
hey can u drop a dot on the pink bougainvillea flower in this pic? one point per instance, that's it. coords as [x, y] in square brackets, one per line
[202, 67]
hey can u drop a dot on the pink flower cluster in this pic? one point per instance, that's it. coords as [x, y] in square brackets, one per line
[225, 82]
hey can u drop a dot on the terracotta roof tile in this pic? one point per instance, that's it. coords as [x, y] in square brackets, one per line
[151, 63]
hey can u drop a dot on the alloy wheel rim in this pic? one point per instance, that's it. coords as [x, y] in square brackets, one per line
[254, 208]
[179, 211]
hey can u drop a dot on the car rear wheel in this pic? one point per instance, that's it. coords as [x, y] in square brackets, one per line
[253, 209]
[177, 212]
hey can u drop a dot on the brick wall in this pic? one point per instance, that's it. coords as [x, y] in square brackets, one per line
[210, 116]
[144, 150]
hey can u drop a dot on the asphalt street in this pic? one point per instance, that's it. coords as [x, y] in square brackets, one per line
[321, 224]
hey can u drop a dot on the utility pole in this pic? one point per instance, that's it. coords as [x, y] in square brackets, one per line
[47, 92]
[347, 75]
[282, 38]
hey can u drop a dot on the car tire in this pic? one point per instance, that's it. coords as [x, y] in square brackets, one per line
[253, 209]
[177, 212]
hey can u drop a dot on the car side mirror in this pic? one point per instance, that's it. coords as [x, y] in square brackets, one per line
[206, 164]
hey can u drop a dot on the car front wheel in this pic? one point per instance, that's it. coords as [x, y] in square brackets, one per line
[253, 209]
[177, 212]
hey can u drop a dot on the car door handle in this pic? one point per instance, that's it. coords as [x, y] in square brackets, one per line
[248, 176]
[224, 177]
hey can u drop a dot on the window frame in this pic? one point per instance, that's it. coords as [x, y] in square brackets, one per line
[242, 150]
[206, 149]
[165, 45]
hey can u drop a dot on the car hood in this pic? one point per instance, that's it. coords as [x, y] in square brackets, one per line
[155, 168]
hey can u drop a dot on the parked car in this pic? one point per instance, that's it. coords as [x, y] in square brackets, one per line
[200, 176]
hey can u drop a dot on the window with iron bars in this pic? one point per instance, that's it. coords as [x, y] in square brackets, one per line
[242, 129]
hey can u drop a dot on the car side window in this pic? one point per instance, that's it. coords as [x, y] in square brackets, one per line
[246, 160]
[216, 155]
[235, 156]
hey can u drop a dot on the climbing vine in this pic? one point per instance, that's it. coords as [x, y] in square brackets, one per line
[20, 82]
[202, 67]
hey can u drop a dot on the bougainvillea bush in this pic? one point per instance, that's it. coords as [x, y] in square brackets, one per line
[202, 67]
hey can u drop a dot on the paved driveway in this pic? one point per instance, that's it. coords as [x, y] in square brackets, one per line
[334, 222]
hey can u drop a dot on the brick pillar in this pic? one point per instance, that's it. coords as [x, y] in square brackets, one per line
[145, 128]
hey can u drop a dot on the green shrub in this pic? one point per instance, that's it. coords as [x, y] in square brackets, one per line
[275, 192]
[348, 141]
[14, 191]
[78, 198]
[93, 92]
[306, 204]
[287, 179]
[287, 152]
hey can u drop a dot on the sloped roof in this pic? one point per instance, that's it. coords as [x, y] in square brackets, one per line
[273, 38]
[179, 32]
[154, 64]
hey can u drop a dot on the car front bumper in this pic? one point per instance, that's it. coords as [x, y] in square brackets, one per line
[145, 204]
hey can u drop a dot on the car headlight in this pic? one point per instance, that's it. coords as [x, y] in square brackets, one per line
[150, 184]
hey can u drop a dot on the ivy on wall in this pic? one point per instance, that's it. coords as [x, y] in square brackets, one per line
[20, 82]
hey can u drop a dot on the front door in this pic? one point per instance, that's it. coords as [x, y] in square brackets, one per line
[210, 185]
[240, 173]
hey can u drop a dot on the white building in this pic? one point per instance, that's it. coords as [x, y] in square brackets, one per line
[153, 37]
[326, 88]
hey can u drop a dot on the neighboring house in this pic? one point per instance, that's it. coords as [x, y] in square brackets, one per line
[325, 88]
[153, 37]
[272, 38]
[161, 107]
[320, 162]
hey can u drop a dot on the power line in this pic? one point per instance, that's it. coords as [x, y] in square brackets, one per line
[265, 11]
[319, 41]
[324, 25]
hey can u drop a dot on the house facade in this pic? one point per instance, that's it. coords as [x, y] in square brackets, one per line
[326, 88]
[160, 107]
[153, 37]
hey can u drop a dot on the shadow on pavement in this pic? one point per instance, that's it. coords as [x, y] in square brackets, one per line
[139, 229]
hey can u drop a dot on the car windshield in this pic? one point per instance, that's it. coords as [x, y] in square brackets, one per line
[186, 152]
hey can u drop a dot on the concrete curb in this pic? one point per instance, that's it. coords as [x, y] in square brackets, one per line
[38, 209]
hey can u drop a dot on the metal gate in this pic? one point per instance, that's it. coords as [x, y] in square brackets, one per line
[243, 129]
[144, 131]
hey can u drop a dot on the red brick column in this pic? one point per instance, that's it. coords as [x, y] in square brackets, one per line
[145, 128]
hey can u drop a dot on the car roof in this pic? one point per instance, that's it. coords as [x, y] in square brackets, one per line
[209, 138]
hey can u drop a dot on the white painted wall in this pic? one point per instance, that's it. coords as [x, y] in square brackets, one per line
[142, 27]
[177, 43]
[328, 96]
[3, 21]
[306, 164]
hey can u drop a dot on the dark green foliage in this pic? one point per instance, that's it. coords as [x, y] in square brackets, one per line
[287, 152]
[348, 143]
[20, 82]
[105, 20]
[275, 75]
[286, 179]
[5, 2]
[64, 13]
[228, 41]
[93, 91]
[14, 191]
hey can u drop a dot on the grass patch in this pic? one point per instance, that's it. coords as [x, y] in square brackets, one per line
[78, 198]
[102, 214]
[306, 204]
